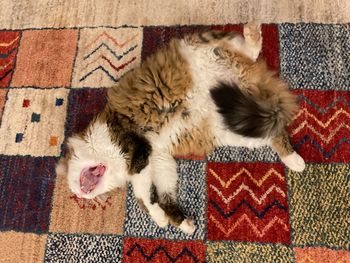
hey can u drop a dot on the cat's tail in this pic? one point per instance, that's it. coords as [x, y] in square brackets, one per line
[252, 116]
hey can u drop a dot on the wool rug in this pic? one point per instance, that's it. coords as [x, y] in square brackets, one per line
[58, 58]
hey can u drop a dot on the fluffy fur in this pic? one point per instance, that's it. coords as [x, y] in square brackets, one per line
[169, 106]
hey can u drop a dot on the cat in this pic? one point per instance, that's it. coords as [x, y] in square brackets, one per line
[202, 91]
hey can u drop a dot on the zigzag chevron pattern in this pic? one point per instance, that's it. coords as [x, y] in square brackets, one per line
[260, 200]
[105, 54]
[245, 219]
[314, 143]
[148, 250]
[321, 130]
[117, 56]
[247, 201]
[226, 184]
[104, 34]
[8, 49]
[305, 114]
[106, 71]
[9, 43]
[323, 110]
[325, 138]
[251, 208]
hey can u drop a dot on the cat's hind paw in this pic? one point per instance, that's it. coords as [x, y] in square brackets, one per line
[158, 215]
[252, 33]
[187, 226]
[294, 162]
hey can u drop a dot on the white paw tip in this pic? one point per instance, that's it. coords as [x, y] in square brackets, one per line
[294, 162]
[163, 222]
[187, 226]
[158, 215]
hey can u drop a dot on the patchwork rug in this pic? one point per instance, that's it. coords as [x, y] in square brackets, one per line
[247, 206]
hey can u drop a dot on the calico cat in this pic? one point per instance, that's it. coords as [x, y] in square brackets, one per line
[205, 90]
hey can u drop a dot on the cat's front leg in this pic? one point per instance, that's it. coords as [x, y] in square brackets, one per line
[252, 39]
[142, 185]
[281, 144]
[251, 44]
[165, 179]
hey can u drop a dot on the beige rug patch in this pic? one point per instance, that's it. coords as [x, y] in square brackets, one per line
[105, 54]
[33, 122]
[22, 247]
[73, 215]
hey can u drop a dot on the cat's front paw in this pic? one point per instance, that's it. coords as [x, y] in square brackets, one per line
[158, 215]
[187, 226]
[253, 39]
[294, 162]
[252, 33]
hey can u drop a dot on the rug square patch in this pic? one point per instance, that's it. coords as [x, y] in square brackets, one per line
[319, 205]
[84, 104]
[315, 56]
[191, 197]
[106, 54]
[320, 254]
[160, 250]
[26, 187]
[320, 131]
[29, 121]
[71, 214]
[222, 252]
[247, 202]
[83, 248]
[9, 42]
[22, 247]
[45, 58]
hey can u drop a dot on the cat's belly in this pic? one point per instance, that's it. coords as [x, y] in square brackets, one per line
[184, 135]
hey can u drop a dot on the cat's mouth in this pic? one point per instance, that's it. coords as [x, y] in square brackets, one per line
[90, 177]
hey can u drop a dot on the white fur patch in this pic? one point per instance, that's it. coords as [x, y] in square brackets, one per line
[158, 215]
[294, 162]
[96, 148]
[187, 226]
[164, 175]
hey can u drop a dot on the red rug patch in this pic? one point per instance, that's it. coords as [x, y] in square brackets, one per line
[161, 251]
[247, 202]
[321, 130]
[9, 41]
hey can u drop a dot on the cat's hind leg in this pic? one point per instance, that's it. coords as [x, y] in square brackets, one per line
[165, 180]
[142, 186]
[281, 144]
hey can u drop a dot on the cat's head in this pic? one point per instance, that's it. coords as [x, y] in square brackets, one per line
[92, 163]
